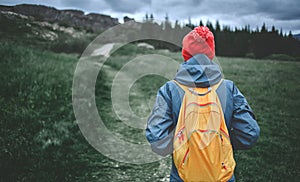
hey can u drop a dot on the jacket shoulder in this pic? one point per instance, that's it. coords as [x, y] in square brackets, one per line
[229, 84]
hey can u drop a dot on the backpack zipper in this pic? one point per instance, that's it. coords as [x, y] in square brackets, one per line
[185, 157]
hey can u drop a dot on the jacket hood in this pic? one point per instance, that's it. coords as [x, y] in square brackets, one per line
[198, 71]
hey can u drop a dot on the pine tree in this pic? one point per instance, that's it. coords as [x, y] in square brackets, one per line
[218, 27]
[151, 18]
[263, 28]
[290, 34]
[167, 26]
[274, 31]
[190, 25]
[210, 26]
[201, 23]
[281, 34]
[167, 17]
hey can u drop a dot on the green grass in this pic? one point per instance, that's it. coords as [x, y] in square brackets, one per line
[36, 115]
[40, 140]
[272, 89]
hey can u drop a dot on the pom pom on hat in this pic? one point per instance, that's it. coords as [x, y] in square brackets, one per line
[198, 41]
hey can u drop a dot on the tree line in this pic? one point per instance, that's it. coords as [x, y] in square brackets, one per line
[237, 42]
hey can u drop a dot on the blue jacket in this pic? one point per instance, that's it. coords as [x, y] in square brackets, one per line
[199, 71]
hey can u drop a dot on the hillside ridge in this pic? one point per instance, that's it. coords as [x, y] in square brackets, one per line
[92, 22]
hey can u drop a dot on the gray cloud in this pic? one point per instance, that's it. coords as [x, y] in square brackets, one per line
[232, 12]
[279, 10]
[88, 5]
[127, 6]
[76, 3]
[13, 2]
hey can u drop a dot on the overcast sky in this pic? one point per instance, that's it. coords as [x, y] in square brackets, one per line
[283, 14]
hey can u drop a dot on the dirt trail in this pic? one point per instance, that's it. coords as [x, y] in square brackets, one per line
[104, 50]
[164, 165]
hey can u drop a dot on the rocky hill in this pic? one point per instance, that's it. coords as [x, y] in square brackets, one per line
[70, 18]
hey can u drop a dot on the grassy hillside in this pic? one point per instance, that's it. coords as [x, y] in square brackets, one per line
[40, 140]
[23, 30]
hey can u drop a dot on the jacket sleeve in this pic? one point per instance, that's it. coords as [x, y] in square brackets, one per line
[160, 125]
[244, 128]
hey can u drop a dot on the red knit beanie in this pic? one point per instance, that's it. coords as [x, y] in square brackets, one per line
[198, 41]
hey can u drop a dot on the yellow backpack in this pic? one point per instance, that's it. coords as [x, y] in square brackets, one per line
[202, 148]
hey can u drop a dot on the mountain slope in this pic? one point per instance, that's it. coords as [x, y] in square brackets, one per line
[70, 18]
